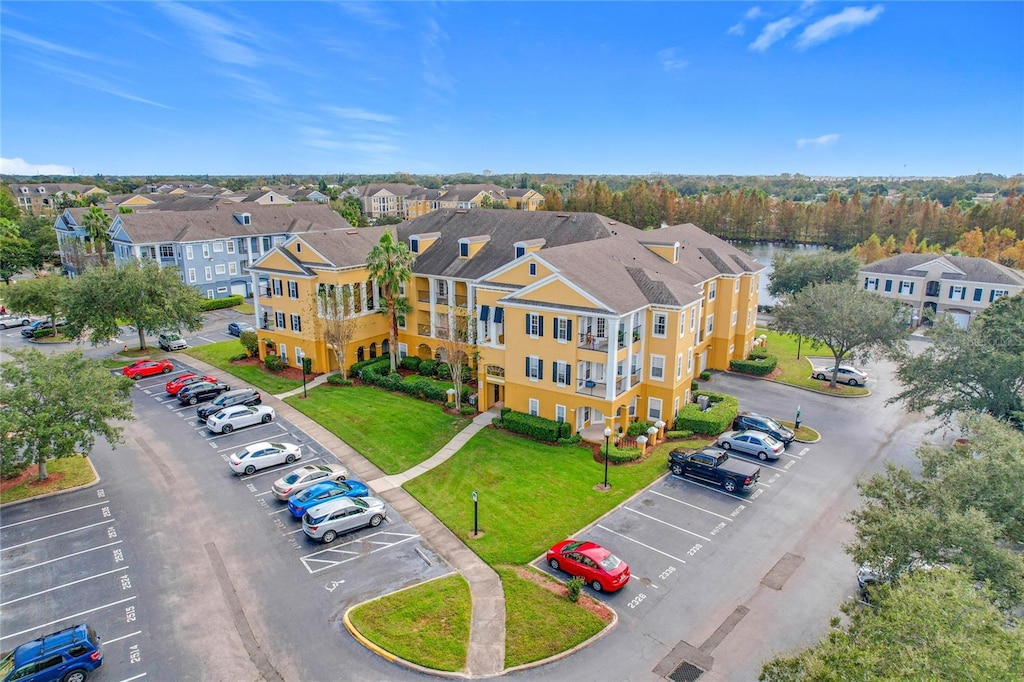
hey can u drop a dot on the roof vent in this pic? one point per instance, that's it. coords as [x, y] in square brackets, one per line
[352, 232]
[612, 222]
[563, 215]
[461, 210]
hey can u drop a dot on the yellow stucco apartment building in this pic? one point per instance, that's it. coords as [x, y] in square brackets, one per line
[577, 317]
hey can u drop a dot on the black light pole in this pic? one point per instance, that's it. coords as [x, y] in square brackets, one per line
[476, 516]
[607, 440]
[306, 364]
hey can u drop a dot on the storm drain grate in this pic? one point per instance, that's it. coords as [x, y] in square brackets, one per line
[685, 672]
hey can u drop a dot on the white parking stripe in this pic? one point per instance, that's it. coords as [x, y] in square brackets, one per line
[118, 639]
[683, 561]
[66, 511]
[243, 445]
[206, 339]
[706, 511]
[679, 528]
[279, 511]
[137, 677]
[711, 488]
[251, 428]
[57, 535]
[66, 556]
[769, 466]
[58, 587]
[67, 618]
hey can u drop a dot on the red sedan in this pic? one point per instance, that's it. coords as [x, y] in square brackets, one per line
[147, 368]
[601, 569]
[178, 383]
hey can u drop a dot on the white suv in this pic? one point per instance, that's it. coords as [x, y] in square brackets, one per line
[171, 341]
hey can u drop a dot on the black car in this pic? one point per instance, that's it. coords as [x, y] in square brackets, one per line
[241, 396]
[758, 422]
[39, 325]
[201, 392]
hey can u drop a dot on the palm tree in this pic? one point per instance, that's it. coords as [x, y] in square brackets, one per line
[389, 263]
[96, 223]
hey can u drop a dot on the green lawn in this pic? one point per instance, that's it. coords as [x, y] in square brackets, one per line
[427, 624]
[798, 372]
[531, 495]
[393, 431]
[540, 623]
[220, 354]
[245, 308]
[64, 473]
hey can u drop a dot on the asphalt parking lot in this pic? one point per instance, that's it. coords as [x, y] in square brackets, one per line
[669, 527]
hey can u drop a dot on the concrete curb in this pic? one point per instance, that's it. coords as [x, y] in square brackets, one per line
[43, 496]
[569, 652]
[802, 388]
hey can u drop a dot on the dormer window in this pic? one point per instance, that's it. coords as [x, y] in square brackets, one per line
[520, 250]
[463, 249]
[243, 218]
[24, 190]
[41, 190]
[414, 244]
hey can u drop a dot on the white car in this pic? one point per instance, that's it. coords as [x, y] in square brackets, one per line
[11, 320]
[846, 375]
[263, 455]
[239, 416]
[305, 476]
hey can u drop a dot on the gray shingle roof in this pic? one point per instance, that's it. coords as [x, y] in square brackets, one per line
[974, 269]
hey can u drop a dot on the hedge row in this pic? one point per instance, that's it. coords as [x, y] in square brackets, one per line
[717, 419]
[217, 303]
[378, 373]
[760, 366]
[535, 427]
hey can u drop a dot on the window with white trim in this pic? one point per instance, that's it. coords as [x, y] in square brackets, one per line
[218, 247]
[231, 246]
[660, 325]
[712, 289]
[188, 252]
[711, 323]
[957, 292]
[682, 323]
[279, 319]
[206, 250]
[534, 368]
[232, 268]
[534, 407]
[679, 366]
[191, 275]
[871, 283]
[562, 328]
[654, 409]
[560, 373]
[693, 320]
[296, 321]
[222, 290]
[167, 251]
[559, 413]
[906, 287]
[208, 271]
[632, 407]
[736, 287]
[657, 372]
[220, 268]
[689, 361]
[276, 284]
[533, 269]
[293, 289]
[675, 408]
[997, 294]
[534, 324]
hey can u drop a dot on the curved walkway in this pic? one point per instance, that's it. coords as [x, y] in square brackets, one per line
[486, 654]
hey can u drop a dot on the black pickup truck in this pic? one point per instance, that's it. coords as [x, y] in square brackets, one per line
[714, 466]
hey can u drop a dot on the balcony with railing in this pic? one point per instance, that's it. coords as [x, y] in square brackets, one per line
[589, 341]
[423, 329]
[591, 387]
[423, 295]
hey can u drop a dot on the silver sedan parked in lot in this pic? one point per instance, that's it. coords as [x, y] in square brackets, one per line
[756, 443]
[305, 476]
[845, 375]
[263, 455]
[326, 521]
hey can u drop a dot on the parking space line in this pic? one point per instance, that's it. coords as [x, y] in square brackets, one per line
[706, 511]
[251, 428]
[769, 466]
[263, 493]
[66, 511]
[206, 339]
[284, 509]
[58, 587]
[118, 639]
[67, 618]
[293, 532]
[279, 467]
[137, 677]
[66, 556]
[642, 544]
[648, 516]
[243, 445]
[331, 563]
[57, 535]
[711, 488]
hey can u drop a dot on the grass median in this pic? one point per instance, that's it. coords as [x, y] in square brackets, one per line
[393, 431]
[797, 372]
[63, 473]
[219, 355]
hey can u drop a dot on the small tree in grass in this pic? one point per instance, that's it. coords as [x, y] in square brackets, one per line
[251, 342]
[333, 309]
[457, 344]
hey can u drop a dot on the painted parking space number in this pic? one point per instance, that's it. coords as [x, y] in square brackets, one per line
[667, 572]
[635, 601]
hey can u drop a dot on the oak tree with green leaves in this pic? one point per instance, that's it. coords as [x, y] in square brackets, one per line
[794, 272]
[46, 413]
[849, 321]
[978, 369]
[43, 296]
[150, 297]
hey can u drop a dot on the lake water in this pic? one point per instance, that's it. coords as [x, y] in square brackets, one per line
[764, 253]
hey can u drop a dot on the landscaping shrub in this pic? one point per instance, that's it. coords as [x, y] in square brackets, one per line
[273, 363]
[694, 386]
[411, 362]
[758, 352]
[240, 356]
[429, 368]
[574, 585]
[617, 455]
[638, 428]
[760, 366]
[539, 428]
[250, 342]
[337, 380]
[718, 418]
[217, 303]
[678, 435]
[498, 423]
[572, 441]
[467, 410]
[444, 372]
[384, 362]
[705, 375]
[41, 333]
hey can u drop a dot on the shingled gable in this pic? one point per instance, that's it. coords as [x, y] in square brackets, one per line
[218, 222]
[336, 249]
[706, 254]
[955, 268]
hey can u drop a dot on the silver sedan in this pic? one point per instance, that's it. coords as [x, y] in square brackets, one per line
[756, 443]
[305, 476]
[326, 521]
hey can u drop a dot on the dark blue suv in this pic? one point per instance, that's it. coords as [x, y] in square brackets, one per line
[757, 422]
[68, 656]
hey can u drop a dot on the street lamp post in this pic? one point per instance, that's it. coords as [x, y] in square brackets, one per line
[607, 441]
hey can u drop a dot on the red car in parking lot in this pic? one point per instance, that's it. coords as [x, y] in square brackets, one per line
[601, 569]
[178, 383]
[147, 368]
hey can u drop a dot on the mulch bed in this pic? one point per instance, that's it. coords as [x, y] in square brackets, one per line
[30, 477]
[588, 603]
[287, 373]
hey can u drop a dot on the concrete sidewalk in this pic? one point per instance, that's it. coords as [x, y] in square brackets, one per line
[486, 654]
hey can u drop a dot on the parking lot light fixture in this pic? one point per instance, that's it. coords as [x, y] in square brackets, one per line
[607, 440]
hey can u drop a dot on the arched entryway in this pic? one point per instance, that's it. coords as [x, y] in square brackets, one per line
[373, 350]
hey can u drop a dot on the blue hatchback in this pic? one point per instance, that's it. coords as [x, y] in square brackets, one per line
[324, 492]
[68, 655]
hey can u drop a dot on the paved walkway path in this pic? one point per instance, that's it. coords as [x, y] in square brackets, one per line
[486, 654]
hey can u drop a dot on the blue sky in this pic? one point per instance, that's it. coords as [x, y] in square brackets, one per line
[818, 88]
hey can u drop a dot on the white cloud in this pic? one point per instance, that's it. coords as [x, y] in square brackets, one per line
[216, 34]
[22, 167]
[773, 33]
[47, 46]
[102, 85]
[841, 23]
[669, 60]
[367, 13]
[740, 27]
[356, 114]
[753, 13]
[737, 29]
[820, 141]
